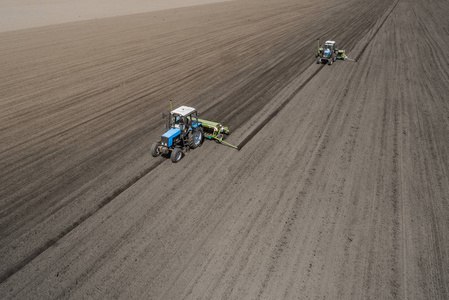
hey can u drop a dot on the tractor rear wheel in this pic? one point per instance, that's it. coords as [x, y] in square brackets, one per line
[195, 138]
[176, 155]
[155, 152]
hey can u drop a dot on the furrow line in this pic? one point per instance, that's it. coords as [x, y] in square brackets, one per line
[8, 273]
[375, 33]
[275, 112]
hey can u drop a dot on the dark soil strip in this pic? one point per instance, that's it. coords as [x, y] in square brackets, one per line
[274, 113]
[53, 241]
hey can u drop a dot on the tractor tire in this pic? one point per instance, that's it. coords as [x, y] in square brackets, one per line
[176, 155]
[196, 138]
[329, 62]
[318, 61]
[155, 149]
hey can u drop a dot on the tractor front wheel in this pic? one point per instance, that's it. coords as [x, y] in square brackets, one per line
[176, 155]
[155, 152]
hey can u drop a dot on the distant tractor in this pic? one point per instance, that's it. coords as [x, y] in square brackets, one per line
[183, 131]
[329, 53]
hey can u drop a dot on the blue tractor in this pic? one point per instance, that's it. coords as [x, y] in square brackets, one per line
[183, 131]
[328, 53]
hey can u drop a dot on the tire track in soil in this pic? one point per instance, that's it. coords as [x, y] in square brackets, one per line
[396, 185]
[310, 170]
[8, 273]
[427, 130]
[390, 185]
[436, 232]
[251, 222]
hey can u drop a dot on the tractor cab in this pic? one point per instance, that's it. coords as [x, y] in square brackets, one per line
[331, 45]
[178, 122]
[328, 47]
[183, 118]
[329, 52]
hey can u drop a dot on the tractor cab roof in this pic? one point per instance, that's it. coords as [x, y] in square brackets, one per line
[183, 111]
[330, 45]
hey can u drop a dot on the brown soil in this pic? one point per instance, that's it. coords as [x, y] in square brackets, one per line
[340, 191]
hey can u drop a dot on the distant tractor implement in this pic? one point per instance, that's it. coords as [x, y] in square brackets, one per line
[184, 131]
[329, 53]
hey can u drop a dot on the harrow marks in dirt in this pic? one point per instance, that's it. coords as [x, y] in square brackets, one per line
[339, 191]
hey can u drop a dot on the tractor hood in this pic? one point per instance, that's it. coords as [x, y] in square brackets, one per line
[167, 138]
[326, 53]
[172, 133]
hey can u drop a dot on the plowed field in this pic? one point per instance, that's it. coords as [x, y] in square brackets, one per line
[340, 189]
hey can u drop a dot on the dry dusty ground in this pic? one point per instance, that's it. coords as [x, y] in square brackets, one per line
[340, 190]
[21, 14]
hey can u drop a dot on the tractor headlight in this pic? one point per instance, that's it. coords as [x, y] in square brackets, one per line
[164, 141]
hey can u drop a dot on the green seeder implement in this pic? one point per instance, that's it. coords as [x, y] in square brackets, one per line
[184, 131]
[215, 131]
[341, 54]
